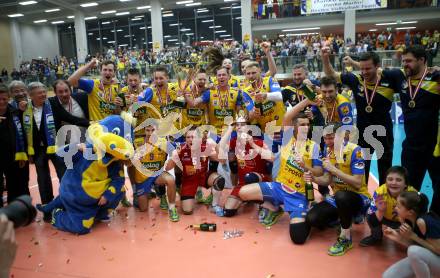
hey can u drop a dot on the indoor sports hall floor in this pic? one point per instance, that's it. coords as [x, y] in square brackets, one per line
[138, 244]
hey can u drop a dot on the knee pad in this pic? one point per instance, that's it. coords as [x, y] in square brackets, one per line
[299, 232]
[233, 165]
[219, 183]
[229, 212]
[160, 190]
[212, 166]
[251, 178]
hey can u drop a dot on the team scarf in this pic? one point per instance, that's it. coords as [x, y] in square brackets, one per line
[49, 127]
[20, 152]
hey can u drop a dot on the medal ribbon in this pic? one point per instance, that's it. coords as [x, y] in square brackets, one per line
[159, 95]
[412, 94]
[332, 114]
[370, 98]
[223, 100]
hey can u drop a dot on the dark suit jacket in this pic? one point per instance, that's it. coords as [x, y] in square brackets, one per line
[60, 114]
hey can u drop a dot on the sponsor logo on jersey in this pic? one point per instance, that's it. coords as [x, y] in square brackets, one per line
[223, 113]
[152, 166]
[194, 112]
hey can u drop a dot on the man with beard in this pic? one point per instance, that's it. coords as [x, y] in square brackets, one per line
[420, 99]
[373, 93]
[294, 92]
[102, 93]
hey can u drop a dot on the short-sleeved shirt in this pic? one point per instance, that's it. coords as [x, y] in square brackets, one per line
[294, 94]
[421, 122]
[222, 104]
[100, 98]
[351, 163]
[339, 111]
[391, 202]
[390, 84]
[291, 174]
[271, 111]
[432, 227]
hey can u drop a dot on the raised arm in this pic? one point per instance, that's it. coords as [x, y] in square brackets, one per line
[270, 60]
[75, 77]
[288, 117]
[328, 68]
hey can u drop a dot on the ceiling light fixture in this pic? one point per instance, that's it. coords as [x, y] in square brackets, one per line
[15, 15]
[301, 29]
[25, 3]
[91, 4]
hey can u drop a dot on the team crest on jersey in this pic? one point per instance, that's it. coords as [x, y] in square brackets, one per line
[359, 154]
[276, 118]
[232, 95]
[346, 120]
[359, 165]
[344, 109]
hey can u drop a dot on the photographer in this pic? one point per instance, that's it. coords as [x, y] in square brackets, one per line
[8, 246]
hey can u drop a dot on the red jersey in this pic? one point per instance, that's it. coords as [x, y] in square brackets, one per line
[189, 163]
[246, 165]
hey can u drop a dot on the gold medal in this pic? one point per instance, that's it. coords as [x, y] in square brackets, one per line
[413, 94]
[369, 98]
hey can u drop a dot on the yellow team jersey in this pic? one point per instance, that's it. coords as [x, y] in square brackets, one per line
[101, 100]
[220, 105]
[338, 111]
[152, 161]
[290, 173]
[234, 81]
[164, 101]
[195, 116]
[271, 111]
[391, 202]
[141, 113]
[352, 163]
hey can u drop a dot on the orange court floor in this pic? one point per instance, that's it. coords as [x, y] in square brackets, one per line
[136, 244]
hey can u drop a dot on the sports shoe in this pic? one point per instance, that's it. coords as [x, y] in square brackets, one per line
[262, 213]
[173, 215]
[272, 217]
[199, 196]
[47, 217]
[163, 202]
[125, 202]
[104, 219]
[341, 246]
[208, 200]
[218, 210]
[370, 241]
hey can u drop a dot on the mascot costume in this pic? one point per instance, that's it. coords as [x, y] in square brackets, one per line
[94, 186]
